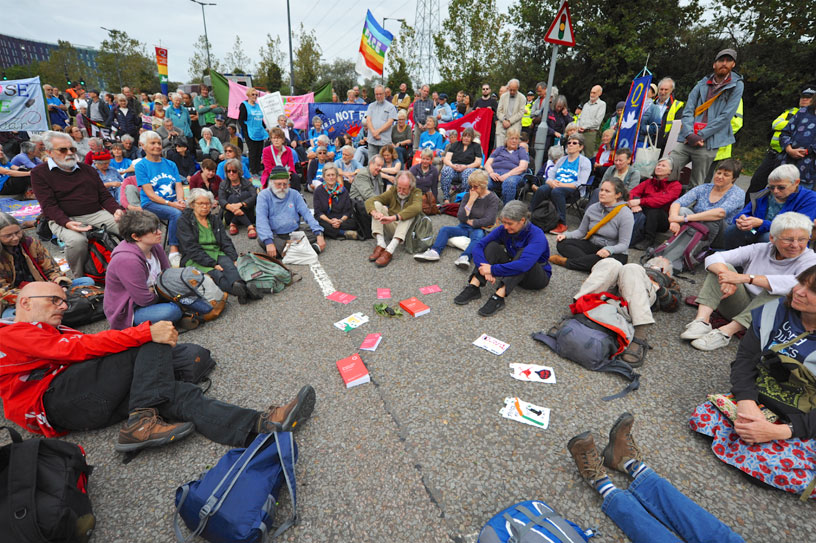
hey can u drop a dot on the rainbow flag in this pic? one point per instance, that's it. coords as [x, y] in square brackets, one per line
[161, 65]
[373, 45]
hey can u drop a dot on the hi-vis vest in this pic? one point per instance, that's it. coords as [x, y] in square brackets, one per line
[778, 124]
[676, 106]
[527, 119]
[736, 123]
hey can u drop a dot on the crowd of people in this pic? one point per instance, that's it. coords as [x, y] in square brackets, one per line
[197, 179]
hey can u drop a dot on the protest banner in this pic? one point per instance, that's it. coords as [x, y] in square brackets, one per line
[297, 109]
[630, 119]
[147, 122]
[481, 120]
[272, 107]
[339, 118]
[98, 130]
[22, 106]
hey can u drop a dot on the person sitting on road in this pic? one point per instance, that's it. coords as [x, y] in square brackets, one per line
[650, 201]
[635, 510]
[12, 180]
[753, 223]
[432, 139]
[206, 178]
[54, 379]
[211, 146]
[605, 231]
[279, 154]
[233, 151]
[393, 212]
[391, 164]
[476, 212]
[346, 165]
[332, 206]
[367, 181]
[314, 173]
[322, 141]
[119, 161]
[506, 166]
[206, 246]
[768, 271]
[622, 169]
[180, 155]
[603, 158]
[110, 177]
[571, 172]
[279, 212]
[237, 197]
[516, 253]
[461, 159]
[426, 174]
[713, 204]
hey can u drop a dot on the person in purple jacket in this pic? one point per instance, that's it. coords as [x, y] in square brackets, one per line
[513, 254]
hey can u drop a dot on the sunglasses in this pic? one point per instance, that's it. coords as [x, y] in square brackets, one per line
[63, 150]
[232, 171]
[775, 188]
[56, 301]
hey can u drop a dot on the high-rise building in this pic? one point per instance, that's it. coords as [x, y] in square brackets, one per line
[20, 51]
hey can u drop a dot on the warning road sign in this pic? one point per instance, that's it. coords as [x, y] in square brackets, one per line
[560, 32]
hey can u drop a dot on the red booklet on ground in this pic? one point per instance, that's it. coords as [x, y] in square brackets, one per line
[353, 371]
[414, 307]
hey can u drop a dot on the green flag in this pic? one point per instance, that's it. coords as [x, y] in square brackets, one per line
[324, 93]
[220, 87]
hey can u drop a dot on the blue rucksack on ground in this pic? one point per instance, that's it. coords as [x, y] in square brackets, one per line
[235, 501]
[532, 521]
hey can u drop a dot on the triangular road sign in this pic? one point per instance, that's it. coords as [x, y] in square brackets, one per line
[560, 32]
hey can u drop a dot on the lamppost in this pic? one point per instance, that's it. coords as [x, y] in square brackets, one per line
[113, 34]
[291, 61]
[382, 76]
[206, 39]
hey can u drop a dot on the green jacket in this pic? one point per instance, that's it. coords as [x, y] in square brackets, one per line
[412, 207]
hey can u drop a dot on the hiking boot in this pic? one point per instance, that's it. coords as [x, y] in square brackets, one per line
[145, 428]
[284, 419]
[715, 339]
[469, 293]
[351, 234]
[587, 459]
[463, 262]
[621, 447]
[254, 292]
[695, 329]
[239, 290]
[428, 256]
[493, 304]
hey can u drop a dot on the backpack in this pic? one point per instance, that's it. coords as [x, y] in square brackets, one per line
[235, 501]
[532, 521]
[263, 271]
[686, 249]
[192, 290]
[43, 496]
[84, 306]
[421, 235]
[100, 245]
[545, 216]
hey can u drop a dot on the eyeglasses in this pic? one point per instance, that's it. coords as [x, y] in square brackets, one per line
[791, 241]
[202, 204]
[56, 301]
[573, 143]
[12, 235]
[779, 188]
[63, 150]
[232, 171]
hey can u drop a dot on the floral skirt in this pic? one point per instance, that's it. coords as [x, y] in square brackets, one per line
[788, 464]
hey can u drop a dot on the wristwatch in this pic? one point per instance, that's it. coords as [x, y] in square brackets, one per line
[790, 425]
[751, 278]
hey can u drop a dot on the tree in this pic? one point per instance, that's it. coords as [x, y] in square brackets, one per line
[198, 62]
[472, 42]
[65, 65]
[770, 20]
[341, 73]
[236, 61]
[401, 64]
[270, 73]
[307, 58]
[123, 60]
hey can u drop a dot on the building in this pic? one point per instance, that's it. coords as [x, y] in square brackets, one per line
[19, 52]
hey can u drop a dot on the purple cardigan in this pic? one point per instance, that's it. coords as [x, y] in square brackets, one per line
[126, 283]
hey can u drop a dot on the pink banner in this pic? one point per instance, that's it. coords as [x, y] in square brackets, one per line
[237, 94]
[297, 109]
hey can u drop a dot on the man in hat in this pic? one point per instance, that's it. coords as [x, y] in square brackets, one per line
[707, 118]
[219, 130]
[442, 112]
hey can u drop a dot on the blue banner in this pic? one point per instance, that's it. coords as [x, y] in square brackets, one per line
[630, 120]
[338, 118]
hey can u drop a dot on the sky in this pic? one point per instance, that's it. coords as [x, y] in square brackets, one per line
[176, 24]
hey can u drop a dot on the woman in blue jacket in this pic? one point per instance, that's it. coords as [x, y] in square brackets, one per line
[513, 254]
[252, 124]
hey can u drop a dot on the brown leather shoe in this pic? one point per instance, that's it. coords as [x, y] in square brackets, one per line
[145, 428]
[622, 446]
[284, 419]
[558, 260]
[384, 260]
[376, 254]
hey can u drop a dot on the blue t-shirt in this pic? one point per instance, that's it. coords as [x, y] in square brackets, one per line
[121, 166]
[254, 122]
[774, 208]
[434, 142]
[181, 119]
[163, 176]
[3, 179]
[568, 172]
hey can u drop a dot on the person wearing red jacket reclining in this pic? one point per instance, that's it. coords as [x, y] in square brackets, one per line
[54, 379]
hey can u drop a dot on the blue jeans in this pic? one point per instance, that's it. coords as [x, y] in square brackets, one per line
[734, 237]
[558, 196]
[447, 177]
[651, 509]
[11, 312]
[447, 232]
[157, 312]
[168, 213]
[508, 187]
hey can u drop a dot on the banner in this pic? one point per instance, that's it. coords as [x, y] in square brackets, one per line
[297, 109]
[272, 108]
[630, 119]
[481, 120]
[339, 118]
[98, 130]
[373, 45]
[147, 122]
[161, 65]
[324, 93]
[22, 106]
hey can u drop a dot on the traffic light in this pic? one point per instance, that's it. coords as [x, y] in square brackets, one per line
[82, 82]
[4, 76]
[69, 81]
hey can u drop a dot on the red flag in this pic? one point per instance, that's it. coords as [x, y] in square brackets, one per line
[480, 119]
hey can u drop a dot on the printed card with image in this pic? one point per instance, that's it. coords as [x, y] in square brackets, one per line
[491, 344]
[341, 297]
[383, 293]
[525, 412]
[351, 322]
[432, 289]
[532, 373]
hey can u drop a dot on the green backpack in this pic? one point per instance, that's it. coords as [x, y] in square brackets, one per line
[264, 272]
[421, 236]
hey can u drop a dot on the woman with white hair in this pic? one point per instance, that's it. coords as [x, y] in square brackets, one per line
[210, 145]
[769, 271]
[650, 201]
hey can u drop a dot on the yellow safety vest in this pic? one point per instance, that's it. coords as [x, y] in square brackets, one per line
[736, 124]
[676, 106]
[780, 123]
[527, 120]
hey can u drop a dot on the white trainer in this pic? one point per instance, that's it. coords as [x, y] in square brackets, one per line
[428, 256]
[463, 262]
[696, 329]
[712, 341]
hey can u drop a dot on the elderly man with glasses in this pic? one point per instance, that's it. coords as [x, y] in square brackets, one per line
[73, 199]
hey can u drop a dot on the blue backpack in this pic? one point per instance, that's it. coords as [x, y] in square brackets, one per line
[235, 501]
[532, 521]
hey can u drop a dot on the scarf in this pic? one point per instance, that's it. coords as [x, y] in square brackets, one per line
[338, 188]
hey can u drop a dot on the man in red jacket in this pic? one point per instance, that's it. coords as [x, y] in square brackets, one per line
[54, 379]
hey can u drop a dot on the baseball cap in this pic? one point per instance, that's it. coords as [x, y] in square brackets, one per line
[729, 52]
[220, 117]
[620, 105]
[443, 95]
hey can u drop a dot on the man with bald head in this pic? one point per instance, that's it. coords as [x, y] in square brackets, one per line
[509, 112]
[380, 116]
[592, 115]
[54, 379]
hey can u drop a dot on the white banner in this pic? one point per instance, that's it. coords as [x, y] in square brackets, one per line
[22, 106]
[272, 107]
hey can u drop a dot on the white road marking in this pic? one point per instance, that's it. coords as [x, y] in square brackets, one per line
[322, 278]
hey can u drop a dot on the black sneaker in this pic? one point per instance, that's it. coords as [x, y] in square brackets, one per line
[239, 289]
[469, 293]
[493, 304]
[316, 247]
[254, 292]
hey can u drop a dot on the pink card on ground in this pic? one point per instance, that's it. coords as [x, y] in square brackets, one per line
[383, 293]
[432, 289]
[341, 297]
[371, 342]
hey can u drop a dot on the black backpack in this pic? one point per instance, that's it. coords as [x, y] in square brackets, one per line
[101, 244]
[84, 306]
[43, 495]
[545, 216]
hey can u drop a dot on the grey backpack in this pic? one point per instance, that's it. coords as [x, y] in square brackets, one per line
[264, 272]
[187, 285]
[421, 236]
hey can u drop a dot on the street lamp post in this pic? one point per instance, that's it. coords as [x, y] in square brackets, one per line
[382, 76]
[291, 61]
[206, 38]
[113, 34]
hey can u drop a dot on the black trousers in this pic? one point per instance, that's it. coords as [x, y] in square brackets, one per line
[760, 178]
[255, 150]
[533, 279]
[648, 223]
[103, 391]
[580, 254]
[334, 233]
[241, 220]
[15, 185]
[225, 279]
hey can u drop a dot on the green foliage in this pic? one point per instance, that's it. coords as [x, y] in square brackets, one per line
[769, 20]
[341, 73]
[236, 61]
[401, 61]
[307, 56]
[198, 62]
[64, 64]
[124, 61]
[270, 70]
